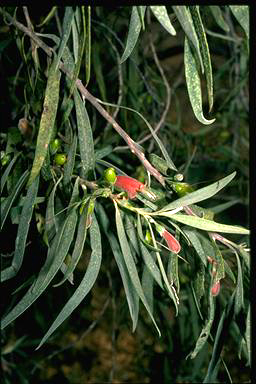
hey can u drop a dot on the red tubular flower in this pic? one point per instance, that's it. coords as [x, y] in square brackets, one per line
[216, 288]
[172, 243]
[130, 185]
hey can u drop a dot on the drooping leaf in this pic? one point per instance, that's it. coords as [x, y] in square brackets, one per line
[161, 14]
[88, 46]
[204, 48]
[55, 258]
[218, 16]
[7, 203]
[206, 329]
[86, 284]
[169, 286]
[48, 117]
[239, 293]
[193, 84]
[48, 17]
[195, 241]
[80, 51]
[184, 16]
[248, 334]
[69, 165]
[147, 283]
[131, 267]
[200, 194]
[132, 296]
[222, 333]
[223, 206]
[78, 247]
[86, 146]
[20, 243]
[241, 13]
[66, 29]
[133, 33]
[5, 175]
[51, 226]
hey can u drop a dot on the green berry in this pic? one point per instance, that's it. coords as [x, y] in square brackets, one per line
[110, 175]
[60, 158]
[5, 159]
[55, 145]
[148, 237]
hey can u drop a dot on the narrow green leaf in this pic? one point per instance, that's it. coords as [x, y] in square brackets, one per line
[20, 243]
[147, 283]
[86, 284]
[218, 16]
[97, 66]
[221, 335]
[86, 146]
[131, 233]
[5, 175]
[131, 264]
[199, 283]
[50, 221]
[161, 14]
[48, 17]
[57, 253]
[88, 46]
[195, 241]
[193, 84]
[206, 225]
[229, 272]
[133, 33]
[241, 13]
[66, 29]
[206, 329]
[55, 258]
[47, 121]
[132, 296]
[169, 286]
[248, 334]
[245, 255]
[78, 247]
[76, 32]
[141, 13]
[69, 165]
[222, 207]
[81, 47]
[203, 44]
[7, 203]
[239, 294]
[184, 16]
[200, 194]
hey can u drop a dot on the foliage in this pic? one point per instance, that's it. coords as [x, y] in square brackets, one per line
[62, 170]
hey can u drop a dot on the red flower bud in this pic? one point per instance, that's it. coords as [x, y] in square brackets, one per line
[216, 288]
[172, 243]
[130, 185]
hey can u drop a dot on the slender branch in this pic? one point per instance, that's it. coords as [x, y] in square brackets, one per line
[132, 145]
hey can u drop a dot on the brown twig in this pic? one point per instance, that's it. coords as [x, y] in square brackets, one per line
[87, 95]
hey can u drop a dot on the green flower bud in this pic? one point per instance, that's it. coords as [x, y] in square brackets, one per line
[55, 146]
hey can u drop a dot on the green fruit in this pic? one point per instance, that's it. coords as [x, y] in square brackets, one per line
[110, 175]
[55, 145]
[5, 159]
[148, 237]
[60, 158]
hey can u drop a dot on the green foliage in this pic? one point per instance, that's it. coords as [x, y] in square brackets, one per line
[59, 176]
